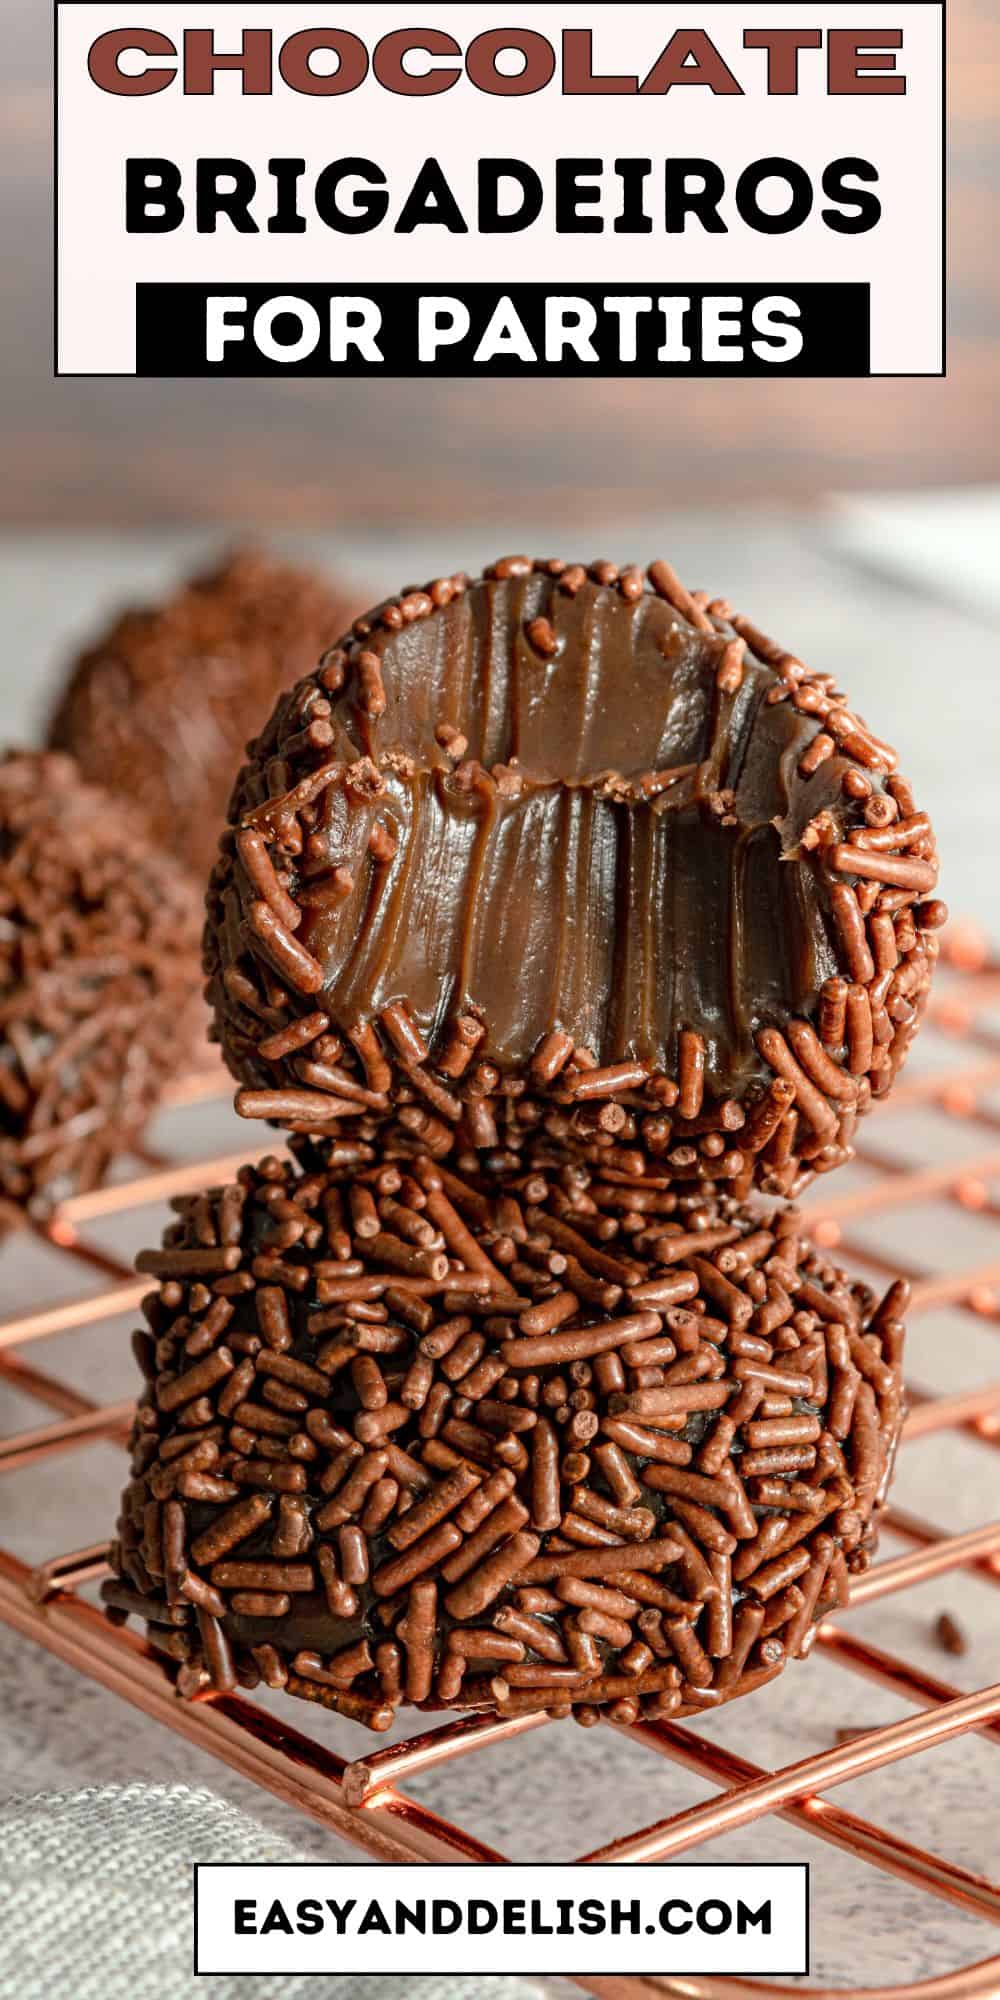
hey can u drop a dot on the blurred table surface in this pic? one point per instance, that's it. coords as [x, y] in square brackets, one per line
[314, 452]
[900, 598]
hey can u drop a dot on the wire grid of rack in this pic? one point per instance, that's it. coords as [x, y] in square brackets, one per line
[365, 1800]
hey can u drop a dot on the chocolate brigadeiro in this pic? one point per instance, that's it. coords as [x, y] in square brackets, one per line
[572, 861]
[403, 1441]
[160, 709]
[98, 980]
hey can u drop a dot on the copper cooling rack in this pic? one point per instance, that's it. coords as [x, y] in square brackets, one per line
[365, 1801]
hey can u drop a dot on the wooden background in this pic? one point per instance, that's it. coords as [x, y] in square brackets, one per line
[121, 453]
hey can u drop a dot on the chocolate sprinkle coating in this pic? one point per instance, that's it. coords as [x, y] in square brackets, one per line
[586, 836]
[98, 981]
[159, 710]
[407, 1441]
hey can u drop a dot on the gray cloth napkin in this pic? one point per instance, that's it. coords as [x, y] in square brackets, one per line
[95, 1900]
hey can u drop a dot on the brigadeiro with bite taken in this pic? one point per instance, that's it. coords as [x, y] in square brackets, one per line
[574, 862]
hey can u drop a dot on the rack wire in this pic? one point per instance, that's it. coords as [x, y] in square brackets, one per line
[365, 1799]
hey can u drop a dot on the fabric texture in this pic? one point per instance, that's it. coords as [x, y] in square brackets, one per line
[95, 1893]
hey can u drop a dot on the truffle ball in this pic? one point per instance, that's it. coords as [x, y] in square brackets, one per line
[160, 709]
[98, 980]
[407, 1441]
[583, 835]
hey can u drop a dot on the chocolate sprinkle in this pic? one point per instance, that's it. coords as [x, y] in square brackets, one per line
[442, 1449]
[950, 1635]
[98, 981]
